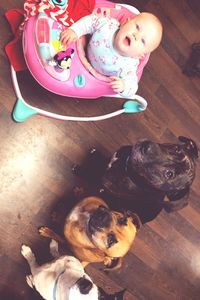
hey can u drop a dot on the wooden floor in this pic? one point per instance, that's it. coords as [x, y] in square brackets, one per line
[36, 158]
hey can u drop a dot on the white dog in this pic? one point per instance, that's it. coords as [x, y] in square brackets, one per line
[61, 279]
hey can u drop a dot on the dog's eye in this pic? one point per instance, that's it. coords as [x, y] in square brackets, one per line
[122, 221]
[111, 239]
[169, 174]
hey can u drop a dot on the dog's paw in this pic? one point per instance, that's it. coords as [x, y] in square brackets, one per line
[29, 280]
[45, 231]
[26, 251]
[112, 263]
[54, 248]
[54, 244]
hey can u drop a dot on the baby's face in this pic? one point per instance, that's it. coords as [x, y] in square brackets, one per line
[138, 36]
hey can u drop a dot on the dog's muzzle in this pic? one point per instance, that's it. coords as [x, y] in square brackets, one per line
[100, 218]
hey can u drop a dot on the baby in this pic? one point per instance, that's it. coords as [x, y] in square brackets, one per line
[114, 49]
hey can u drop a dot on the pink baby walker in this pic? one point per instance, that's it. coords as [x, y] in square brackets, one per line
[66, 71]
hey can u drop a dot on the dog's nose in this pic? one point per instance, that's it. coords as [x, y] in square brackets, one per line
[84, 285]
[100, 218]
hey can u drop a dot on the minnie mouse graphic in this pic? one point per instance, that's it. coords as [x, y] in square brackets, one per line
[63, 59]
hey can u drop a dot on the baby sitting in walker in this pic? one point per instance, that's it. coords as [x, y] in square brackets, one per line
[114, 49]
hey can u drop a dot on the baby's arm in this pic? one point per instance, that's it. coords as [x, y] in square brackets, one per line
[85, 25]
[117, 84]
[127, 84]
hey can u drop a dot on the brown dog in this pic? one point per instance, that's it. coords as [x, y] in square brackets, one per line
[97, 234]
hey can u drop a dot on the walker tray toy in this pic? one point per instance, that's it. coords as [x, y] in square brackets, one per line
[66, 71]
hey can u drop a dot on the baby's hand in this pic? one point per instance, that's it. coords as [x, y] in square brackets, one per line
[117, 84]
[68, 36]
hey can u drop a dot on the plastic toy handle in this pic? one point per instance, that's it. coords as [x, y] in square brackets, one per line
[132, 107]
[23, 110]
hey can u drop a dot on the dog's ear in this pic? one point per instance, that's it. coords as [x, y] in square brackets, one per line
[177, 200]
[116, 296]
[190, 146]
[135, 219]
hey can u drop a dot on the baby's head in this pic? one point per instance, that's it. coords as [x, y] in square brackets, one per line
[138, 36]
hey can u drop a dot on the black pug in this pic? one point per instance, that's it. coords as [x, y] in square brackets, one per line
[192, 66]
[144, 178]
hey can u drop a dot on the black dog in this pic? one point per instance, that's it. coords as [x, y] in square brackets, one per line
[192, 66]
[139, 177]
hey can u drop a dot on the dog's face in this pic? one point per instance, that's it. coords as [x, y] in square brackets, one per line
[73, 282]
[166, 167]
[97, 233]
[112, 232]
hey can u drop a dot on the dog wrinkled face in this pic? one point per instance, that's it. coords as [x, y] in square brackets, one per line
[166, 167]
[112, 232]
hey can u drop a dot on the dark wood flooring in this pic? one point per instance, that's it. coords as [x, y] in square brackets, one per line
[36, 158]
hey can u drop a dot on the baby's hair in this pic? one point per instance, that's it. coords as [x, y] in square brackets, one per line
[160, 26]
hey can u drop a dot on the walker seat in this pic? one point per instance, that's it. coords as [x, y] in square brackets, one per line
[66, 71]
